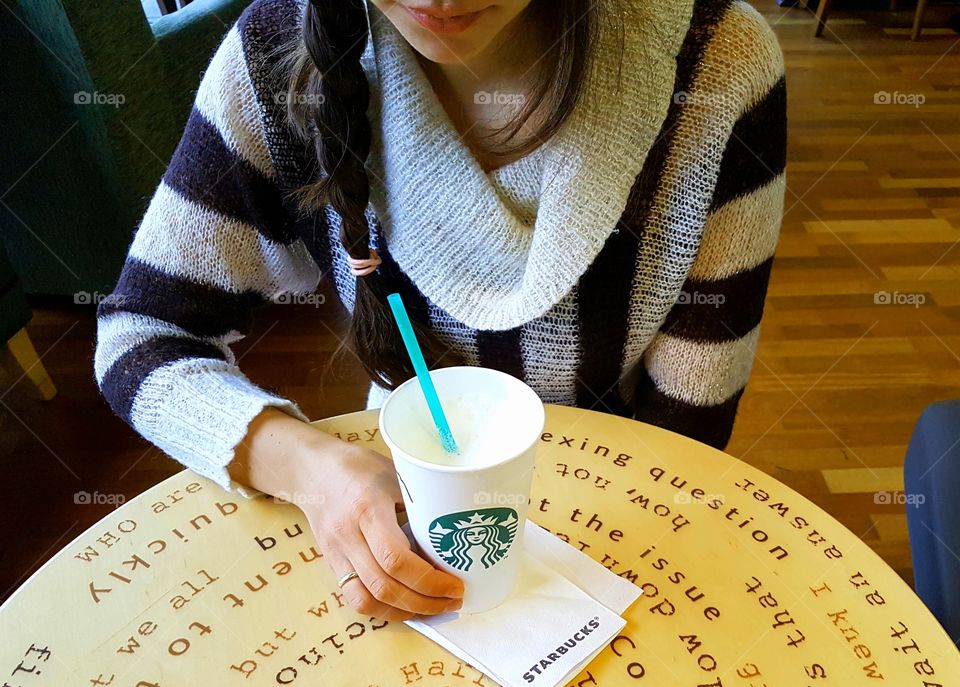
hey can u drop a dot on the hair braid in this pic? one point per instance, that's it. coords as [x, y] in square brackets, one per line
[335, 34]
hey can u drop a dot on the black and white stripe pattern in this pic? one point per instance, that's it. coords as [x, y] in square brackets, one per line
[215, 243]
[662, 326]
[696, 366]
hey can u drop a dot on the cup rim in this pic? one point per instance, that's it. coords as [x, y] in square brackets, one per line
[437, 467]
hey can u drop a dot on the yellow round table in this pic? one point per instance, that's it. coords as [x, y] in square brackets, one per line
[745, 583]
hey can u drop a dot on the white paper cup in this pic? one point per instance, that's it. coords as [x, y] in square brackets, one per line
[467, 512]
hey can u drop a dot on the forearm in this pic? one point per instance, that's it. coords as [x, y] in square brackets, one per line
[275, 455]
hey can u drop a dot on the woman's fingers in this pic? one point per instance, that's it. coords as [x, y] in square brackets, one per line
[381, 584]
[348, 540]
[389, 591]
[356, 594]
[391, 550]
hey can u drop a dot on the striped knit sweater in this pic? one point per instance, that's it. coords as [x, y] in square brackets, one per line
[621, 267]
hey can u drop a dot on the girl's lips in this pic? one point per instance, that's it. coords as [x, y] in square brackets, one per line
[437, 24]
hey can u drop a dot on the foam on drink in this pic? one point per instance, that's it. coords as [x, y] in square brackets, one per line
[485, 431]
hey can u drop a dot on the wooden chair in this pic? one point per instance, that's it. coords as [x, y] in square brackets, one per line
[14, 314]
[917, 19]
[22, 350]
[823, 11]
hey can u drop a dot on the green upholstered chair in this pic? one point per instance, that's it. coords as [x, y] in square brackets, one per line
[97, 97]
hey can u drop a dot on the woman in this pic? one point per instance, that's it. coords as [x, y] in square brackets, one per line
[586, 195]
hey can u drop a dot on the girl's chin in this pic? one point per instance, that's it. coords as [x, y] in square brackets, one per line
[444, 51]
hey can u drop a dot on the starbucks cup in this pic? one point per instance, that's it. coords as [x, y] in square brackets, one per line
[467, 511]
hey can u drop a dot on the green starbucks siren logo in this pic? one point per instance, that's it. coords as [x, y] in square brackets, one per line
[484, 535]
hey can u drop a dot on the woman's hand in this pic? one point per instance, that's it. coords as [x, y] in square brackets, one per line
[350, 497]
[355, 523]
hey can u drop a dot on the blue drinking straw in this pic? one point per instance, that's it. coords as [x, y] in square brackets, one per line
[423, 374]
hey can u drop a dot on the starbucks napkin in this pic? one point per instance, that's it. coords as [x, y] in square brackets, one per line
[564, 610]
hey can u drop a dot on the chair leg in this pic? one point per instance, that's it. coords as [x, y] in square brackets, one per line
[823, 9]
[22, 350]
[918, 20]
[893, 5]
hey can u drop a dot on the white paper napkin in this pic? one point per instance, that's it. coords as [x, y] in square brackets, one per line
[564, 610]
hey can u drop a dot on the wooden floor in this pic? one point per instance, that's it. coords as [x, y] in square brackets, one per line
[840, 377]
[873, 215]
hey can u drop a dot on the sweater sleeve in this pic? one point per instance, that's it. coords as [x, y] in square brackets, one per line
[214, 244]
[697, 366]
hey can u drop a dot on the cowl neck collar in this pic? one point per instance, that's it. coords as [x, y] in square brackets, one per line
[449, 225]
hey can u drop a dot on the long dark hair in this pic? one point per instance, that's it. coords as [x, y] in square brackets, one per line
[329, 95]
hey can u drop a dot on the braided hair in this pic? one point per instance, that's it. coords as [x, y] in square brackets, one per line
[331, 110]
[329, 107]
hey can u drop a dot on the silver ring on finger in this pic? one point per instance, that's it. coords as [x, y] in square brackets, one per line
[347, 577]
